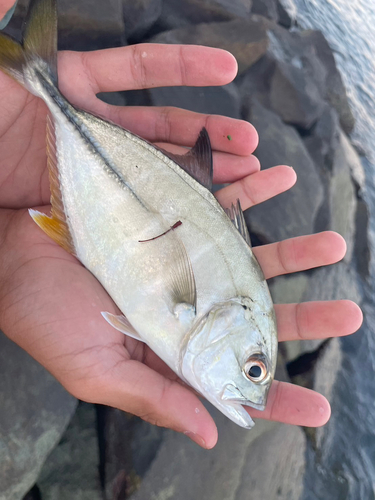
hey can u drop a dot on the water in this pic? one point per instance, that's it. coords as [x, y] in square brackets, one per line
[344, 468]
[348, 26]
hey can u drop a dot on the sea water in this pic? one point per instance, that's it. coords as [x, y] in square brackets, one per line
[344, 468]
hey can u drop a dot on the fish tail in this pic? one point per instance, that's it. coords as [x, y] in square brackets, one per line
[38, 51]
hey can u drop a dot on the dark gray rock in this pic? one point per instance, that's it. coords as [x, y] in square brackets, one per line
[255, 82]
[130, 447]
[343, 199]
[266, 8]
[284, 18]
[303, 77]
[212, 100]
[362, 247]
[71, 470]
[179, 14]
[139, 16]
[294, 212]
[90, 25]
[294, 96]
[35, 411]
[242, 461]
[85, 25]
[323, 139]
[335, 92]
[246, 39]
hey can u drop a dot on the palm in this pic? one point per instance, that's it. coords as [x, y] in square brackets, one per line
[51, 305]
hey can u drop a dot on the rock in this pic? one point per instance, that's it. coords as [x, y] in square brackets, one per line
[33, 494]
[324, 139]
[179, 14]
[362, 248]
[266, 8]
[284, 19]
[242, 461]
[294, 96]
[90, 25]
[291, 213]
[139, 16]
[71, 470]
[35, 413]
[343, 200]
[335, 92]
[354, 162]
[82, 26]
[130, 447]
[256, 82]
[304, 76]
[246, 39]
[267, 474]
[212, 100]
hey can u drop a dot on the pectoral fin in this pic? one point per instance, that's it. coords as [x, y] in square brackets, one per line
[181, 281]
[122, 324]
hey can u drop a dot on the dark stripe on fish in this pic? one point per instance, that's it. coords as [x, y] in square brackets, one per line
[66, 108]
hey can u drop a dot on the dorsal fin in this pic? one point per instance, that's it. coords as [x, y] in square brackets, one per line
[55, 226]
[198, 161]
[236, 215]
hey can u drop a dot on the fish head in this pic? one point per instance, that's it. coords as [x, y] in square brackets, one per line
[230, 357]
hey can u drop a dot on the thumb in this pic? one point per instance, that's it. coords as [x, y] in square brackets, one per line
[137, 389]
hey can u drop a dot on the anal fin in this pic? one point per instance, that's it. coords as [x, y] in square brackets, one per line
[56, 226]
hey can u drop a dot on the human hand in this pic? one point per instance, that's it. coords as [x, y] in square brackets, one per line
[50, 304]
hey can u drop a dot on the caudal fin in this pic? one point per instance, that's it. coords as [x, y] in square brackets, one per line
[39, 43]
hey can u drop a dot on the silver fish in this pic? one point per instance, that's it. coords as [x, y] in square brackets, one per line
[145, 223]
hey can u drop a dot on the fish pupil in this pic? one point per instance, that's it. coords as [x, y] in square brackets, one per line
[255, 371]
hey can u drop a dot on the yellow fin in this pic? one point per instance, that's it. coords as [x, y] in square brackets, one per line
[53, 228]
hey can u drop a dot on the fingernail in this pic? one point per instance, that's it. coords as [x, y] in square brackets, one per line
[196, 438]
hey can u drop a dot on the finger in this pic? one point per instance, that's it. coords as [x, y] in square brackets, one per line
[179, 126]
[135, 388]
[299, 254]
[227, 167]
[292, 404]
[317, 320]
[258, 187]
[139, 66]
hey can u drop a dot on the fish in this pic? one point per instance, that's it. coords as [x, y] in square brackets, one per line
[145, 223]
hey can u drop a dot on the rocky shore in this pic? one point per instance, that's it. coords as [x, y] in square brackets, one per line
[289, 88]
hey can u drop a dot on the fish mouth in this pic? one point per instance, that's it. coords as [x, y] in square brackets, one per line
[232, 394]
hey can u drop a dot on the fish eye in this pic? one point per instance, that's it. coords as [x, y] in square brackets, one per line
[255, 368]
